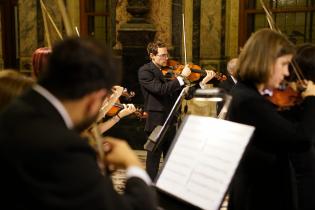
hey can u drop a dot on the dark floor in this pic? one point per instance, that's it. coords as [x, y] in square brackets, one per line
[131, 129]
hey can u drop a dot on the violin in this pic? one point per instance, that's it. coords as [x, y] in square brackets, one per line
[128, 95]
[94, 138]
[117, 107]
[286, 96]
[174, 69]
[108, 103]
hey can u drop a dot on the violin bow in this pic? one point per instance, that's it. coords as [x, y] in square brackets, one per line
[184, 39]
[46, 15]
[65, 18]
[97, 142]
[273, 26]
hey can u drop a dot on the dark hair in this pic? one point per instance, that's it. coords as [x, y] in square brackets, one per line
[78, 67]
[305, 58]
[153, 47]
[39, 61]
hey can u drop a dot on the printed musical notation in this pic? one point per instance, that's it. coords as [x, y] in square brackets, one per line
[203, 159]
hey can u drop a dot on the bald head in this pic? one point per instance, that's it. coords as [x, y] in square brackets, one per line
[232, 66]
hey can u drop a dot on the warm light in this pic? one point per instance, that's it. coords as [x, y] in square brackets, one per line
[213, 99]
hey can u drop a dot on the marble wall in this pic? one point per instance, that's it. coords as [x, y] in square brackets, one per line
[122, 16]
[188, 19]
[232, 19]
[27, 32]
[160, 15]
[31, 27]
[210, 29]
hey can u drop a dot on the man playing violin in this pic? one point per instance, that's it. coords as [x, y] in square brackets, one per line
[231, 77]
[159, 96]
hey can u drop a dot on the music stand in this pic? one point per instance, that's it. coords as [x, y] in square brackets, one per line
[213, 96]
[156, 136]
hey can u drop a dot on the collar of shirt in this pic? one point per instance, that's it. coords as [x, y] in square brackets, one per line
[56, 103]
[267, 92]
[234, 80]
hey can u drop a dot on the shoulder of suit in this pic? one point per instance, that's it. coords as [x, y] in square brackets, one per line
[245, 91]
[148, 66]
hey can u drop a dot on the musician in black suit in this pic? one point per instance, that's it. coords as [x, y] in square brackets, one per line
[45, 163]
[304, 163]
[265, 178]
[231, 77]
[159, 97]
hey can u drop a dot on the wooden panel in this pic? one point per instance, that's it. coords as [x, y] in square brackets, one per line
[8, 33]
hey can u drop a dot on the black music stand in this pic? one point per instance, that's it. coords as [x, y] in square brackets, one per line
[217, 95]
[156, 136]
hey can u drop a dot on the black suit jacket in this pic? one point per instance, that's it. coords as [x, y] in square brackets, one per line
[265, 177]
[44, 165]
[304, 165]
[159, 94]
[227, 84]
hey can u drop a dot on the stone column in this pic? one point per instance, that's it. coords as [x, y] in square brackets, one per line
[134, 37]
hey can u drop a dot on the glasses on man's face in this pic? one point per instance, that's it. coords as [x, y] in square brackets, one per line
[162, 55]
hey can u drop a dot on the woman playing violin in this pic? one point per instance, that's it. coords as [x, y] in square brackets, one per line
[265, 176]
[108, 104]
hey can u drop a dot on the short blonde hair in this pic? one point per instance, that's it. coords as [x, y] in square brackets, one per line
[260, 53]
[12, 84]
[232, 66]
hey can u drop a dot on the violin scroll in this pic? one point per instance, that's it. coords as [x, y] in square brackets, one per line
[128, 95]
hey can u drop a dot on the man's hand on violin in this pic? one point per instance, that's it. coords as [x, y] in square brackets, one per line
[208, 77]
[129, 109]
[117, 91]
[186, 71]
[110, 101]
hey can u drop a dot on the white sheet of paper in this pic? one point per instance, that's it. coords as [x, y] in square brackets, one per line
[203, 160]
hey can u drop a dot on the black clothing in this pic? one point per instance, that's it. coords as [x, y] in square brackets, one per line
[159, 97]
[303, 164]
[265, 177]
[47, 166]
[227, 84]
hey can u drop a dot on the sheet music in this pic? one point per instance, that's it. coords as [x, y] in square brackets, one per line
[203, 160]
